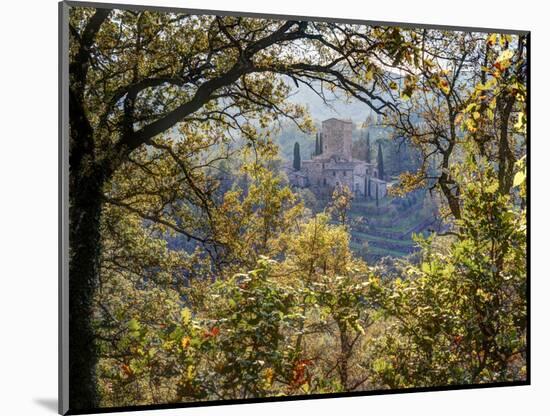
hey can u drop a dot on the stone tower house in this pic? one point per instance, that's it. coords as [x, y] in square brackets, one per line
[335, 167]
[337, 139]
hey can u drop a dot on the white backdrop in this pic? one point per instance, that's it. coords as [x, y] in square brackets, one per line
[28, 207]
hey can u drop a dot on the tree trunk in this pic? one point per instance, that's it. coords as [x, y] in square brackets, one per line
[345, 353]
[506, 159]
[84, 215]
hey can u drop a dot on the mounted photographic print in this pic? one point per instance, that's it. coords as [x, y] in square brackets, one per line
[264, 208]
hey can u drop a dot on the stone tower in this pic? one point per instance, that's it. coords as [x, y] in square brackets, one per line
[337, 139]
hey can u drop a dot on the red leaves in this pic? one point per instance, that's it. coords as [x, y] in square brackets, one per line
[299, 373]
[457, 341]
[126, 370]
[211, 333]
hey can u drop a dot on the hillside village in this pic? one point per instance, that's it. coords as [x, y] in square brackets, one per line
[381, 225]
[332, 165]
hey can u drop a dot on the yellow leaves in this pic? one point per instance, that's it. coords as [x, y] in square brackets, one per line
[459, 118]
[439, 81]
[504, 60]
[185, 342]
[393, 85]
[168, 345]
[269, 373]
[381, 365]
[519, 178]
[426, 268]
[521, 174]
[470, 125]
[470, 107]
[520, 125]
[428, 64]
[190, 372]
[471, 116]
[410, 86]
[504, 39]
[185, 316]
[501, 39]
[505, 56]
[133, 325]
[321, 243]
[444, 86]
[492, 39]
[488, 85]
[408, 181]
[369, 72]
[492, 188]
[483, 295]
[359, 328]
[519, 91]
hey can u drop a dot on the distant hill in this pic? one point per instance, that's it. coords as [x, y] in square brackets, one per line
[339, 106]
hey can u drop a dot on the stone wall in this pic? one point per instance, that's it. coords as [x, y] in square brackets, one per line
[377, 186]
[337, 138]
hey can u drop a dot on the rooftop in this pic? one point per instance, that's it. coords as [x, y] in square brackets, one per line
[348, 121]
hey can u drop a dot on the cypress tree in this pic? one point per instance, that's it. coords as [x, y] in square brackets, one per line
[367, 153]
[320, 143]
[297, 161]
[317, 150]
[380, 160]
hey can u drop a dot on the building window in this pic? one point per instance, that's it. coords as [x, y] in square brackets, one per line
[333, 173]
[345, 173]
[325, 181]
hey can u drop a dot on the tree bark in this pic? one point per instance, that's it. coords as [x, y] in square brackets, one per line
[84, 237]
[506, 159]
[345, 354]
[86, 180]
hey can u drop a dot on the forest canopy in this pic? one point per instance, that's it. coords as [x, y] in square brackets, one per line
[198, 272]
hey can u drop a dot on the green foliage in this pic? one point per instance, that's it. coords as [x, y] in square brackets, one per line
[459, 317]
[262, 327]
[341, 204]
[213, 280]
[257, 317]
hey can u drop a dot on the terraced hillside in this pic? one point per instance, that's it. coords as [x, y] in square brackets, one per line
[387, 228]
